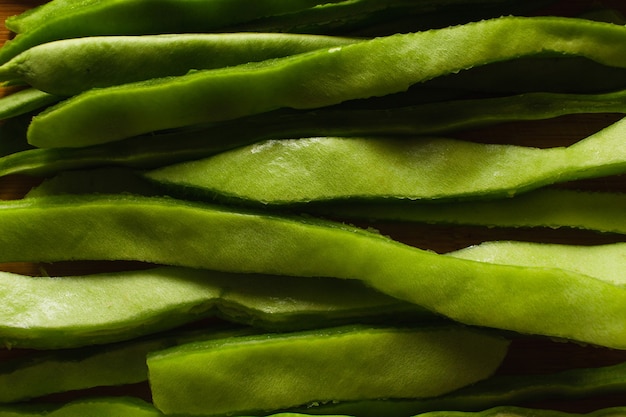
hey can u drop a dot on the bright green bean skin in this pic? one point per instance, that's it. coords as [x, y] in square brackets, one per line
[230, 376]
[44, 314]
[542, 301]
[63, 19]
[69, 67]
[283, 172]
[497, 391]
[320, 78]
[424, 119]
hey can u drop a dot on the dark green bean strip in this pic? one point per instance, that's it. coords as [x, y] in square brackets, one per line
[44, 314]
[349, 16]
[50, 372]
[230, 376]
[320, 78]
[601, 211]
[25, 101]
[63, 19]
[423, 119]
[499, 390]
[283, 172]
[71, 66]
[92, 407]
[527, 300]
[526, 412]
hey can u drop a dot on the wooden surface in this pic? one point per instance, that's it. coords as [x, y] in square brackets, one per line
[529, 355]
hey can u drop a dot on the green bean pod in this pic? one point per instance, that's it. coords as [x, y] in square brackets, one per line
[49, 372]
[530, 300]
[93, 407]
[316, 79]
[549, 207]
[63, 19]
[432, 118]
[298, 171]
[69, 67]
[497, 391]
[231, 376]
[25, 101]
[123, 305]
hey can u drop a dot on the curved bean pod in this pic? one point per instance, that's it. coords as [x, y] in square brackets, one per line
[63, 19]
[282, 172]
[69, 67]
[554, 208]
[423, 119]
[320, 78]
[123, 305]
[527, 300]
[230, 376]
[497, 391]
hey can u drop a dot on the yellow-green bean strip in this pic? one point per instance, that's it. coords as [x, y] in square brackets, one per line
[25, 101]
[71, 66]
[45, 313]
[320, 78]
[550, 207]
[524, 299]
[283, 172]
[62, 19]
[424, 119]
[261, 374]
[54, 371]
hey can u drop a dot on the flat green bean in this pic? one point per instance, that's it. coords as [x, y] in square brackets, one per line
[283, 172]
[25, 101]
[69, 67]
[549, 207]
[421, 119]
[499, 390]
[63, 19]
[316, 79]
[531, 300]
[230, 376]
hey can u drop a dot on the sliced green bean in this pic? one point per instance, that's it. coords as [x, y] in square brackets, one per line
[49, 372]
[63, 19]
[320, 78]
[554, 208]
[25, 101]
[283, 172]
[499, 390]
[68, 67]
[230, 376]
[123, 305]
[531, 300]
[423, 119]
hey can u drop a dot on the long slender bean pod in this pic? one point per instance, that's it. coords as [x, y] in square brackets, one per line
[320, 78]
[424, 119]
[63, 19]
[25, 101]
[56, 371]
[69, 67]
[230, 376]
[323, 169]
[533, 300]
[497, 391]
[118, 306]
[554, 208]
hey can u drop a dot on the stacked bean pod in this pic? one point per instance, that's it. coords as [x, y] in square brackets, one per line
[208, 177]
